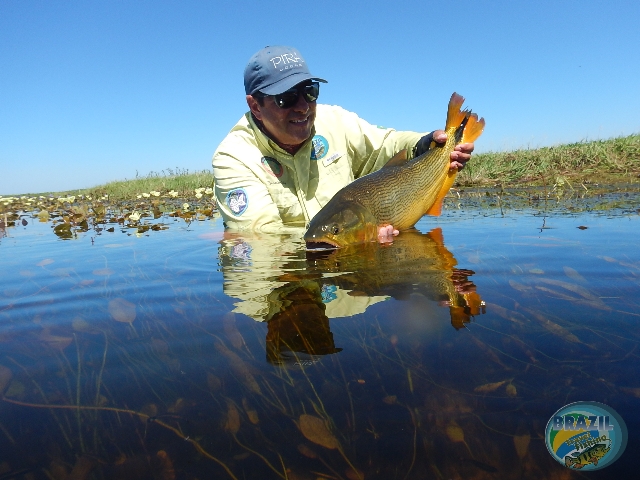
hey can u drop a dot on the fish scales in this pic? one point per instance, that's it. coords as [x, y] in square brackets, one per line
[399, 194]
[394, 201]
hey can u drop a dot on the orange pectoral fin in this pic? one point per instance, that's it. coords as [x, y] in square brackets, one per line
[436, 208]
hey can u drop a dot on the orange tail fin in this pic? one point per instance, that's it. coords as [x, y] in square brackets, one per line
[454, 113]
[473, 129]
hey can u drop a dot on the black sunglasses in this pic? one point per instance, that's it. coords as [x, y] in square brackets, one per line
[289, 98]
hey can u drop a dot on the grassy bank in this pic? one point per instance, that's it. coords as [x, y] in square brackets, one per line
[182, 182]
[616, 160]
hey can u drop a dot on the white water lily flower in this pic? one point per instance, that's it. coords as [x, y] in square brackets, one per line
[138, 196]
[173, 193]
[155, 194]
[185, 206]
[135, 216]
[198, 195]
[208, 190]
[146, 195]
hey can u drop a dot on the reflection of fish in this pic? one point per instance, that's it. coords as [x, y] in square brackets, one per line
[414, 263]
[399, 194]
[590, 455]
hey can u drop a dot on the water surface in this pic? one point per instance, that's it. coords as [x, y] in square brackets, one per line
[195, 353]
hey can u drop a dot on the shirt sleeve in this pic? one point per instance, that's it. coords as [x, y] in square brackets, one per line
[372, 146]
[243, 199]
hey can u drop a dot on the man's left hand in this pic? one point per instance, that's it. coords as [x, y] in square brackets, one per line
[461, 153]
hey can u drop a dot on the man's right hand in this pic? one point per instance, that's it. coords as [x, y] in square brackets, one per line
[386, 234]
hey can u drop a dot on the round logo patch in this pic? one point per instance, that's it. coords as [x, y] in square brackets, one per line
[586, 436]
[272, 166]
[237, 201]
[319, 147]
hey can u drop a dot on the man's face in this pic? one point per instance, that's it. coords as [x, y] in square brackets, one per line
[287, 126]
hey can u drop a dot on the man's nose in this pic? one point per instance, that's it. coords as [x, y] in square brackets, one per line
[301, 105]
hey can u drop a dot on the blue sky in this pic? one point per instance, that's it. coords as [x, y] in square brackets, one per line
[94, 91]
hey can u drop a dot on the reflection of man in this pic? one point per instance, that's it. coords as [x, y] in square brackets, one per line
[258, 269]
[255, 266]
[287, 157]
[296, 292]
[300, 326]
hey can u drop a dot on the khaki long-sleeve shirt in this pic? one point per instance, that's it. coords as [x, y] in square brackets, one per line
[261, 187]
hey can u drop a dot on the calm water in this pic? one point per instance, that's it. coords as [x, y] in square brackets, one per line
[189, 353]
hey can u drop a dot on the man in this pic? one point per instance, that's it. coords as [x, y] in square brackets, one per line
[287, 157]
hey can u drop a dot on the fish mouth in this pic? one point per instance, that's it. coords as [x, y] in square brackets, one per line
[321, 244]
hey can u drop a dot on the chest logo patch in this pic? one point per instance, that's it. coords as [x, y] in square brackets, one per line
[319, 147]
[272, 166]
[237, 201]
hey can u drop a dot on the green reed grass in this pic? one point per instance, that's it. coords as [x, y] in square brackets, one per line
[180, 180]
[605, 161]
[616, 159]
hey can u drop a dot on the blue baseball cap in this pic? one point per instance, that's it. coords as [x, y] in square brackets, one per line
[275, 69]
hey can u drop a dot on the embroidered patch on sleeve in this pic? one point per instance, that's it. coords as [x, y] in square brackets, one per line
[237, 201]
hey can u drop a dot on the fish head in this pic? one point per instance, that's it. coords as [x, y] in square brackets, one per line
[341, 224]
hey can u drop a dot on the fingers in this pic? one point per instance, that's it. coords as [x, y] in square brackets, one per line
[439, 136]
[465, 147]
[460, 156]
[386, 234]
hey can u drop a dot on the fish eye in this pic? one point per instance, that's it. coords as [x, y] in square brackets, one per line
[335, 229]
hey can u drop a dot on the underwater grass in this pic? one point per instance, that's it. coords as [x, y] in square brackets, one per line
[599, 161]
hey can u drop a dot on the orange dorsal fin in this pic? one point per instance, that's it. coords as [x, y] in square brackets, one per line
[454, 115]
[399, 158]
[473, 129]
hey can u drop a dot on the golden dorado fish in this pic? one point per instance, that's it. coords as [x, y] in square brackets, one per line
[398, 194]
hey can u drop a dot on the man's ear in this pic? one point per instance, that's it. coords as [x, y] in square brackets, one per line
[254, 107]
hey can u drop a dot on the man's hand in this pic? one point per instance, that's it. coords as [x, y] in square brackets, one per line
[386, 234]
[461, 153]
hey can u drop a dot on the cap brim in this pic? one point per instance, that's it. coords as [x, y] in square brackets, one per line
[289, 82]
